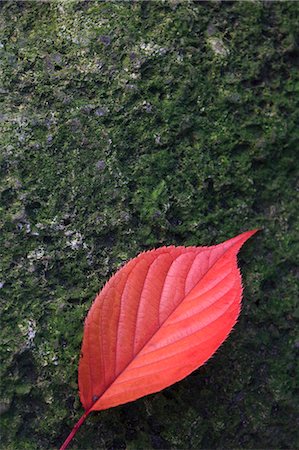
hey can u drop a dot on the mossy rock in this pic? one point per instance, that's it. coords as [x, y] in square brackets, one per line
[126, 126]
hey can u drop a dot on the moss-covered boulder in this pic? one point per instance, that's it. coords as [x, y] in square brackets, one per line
[131, 125]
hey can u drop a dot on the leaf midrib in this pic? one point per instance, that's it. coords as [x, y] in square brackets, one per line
[161, 325]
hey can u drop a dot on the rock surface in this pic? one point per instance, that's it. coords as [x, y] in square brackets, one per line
[127, 126]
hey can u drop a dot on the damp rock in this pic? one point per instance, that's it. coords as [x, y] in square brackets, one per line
[75, 125]
[106, 40]
[157, 139]
[28, 330]
[100, 165]
[147, 107]
[36, 254]
[76, 241]
[218, 46]
[211, 30]
[20, 216]
[100, 112]
[87, 109]
[4, 405]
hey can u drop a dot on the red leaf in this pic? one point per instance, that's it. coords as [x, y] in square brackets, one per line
[160, 317]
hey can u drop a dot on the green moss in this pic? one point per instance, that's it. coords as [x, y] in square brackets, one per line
[127, 126]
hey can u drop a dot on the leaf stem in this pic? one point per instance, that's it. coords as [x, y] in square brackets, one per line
[74, 430]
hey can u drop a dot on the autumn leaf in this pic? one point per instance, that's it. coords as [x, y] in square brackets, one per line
[159, 318]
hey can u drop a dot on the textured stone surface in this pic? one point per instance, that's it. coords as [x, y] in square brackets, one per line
[126, 126]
